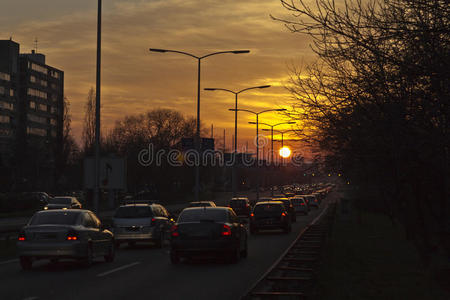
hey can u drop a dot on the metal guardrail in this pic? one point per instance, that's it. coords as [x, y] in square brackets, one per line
[294, 274]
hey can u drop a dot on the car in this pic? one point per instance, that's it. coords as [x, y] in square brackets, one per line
[141, 222]
[289, 207]
[300, 205]
[270, 215]
[59, 202]
[208, 231]
[312, 200]
[241, 206]
[64, 234]
[202, 203]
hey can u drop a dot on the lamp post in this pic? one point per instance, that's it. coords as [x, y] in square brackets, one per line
[257, 139]
[282, 132]
[97, 110]
[197, 135]
[233, 173]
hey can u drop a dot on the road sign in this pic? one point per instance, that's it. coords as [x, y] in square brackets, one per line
[113, 173]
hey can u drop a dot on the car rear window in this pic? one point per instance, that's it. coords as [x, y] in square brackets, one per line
[199, 215]
[237, 203]
[55, 218]
[60, 200]
[130, 212]
[268, 209]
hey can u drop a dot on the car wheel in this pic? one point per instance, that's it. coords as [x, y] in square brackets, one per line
[174, 258]
[159, 242]
[89, 256]
[244, 253]
[235, 255]
[26, 263]
[117, 244]
[109, 257]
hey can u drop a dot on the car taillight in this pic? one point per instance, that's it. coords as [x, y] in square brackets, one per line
[283, 214]
[252, 215]
[21, 236]
[174, 231]
[153, 220]
[72, 236]
[302, 204]
[226, 230]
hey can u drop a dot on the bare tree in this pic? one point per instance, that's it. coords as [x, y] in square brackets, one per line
[88, 135]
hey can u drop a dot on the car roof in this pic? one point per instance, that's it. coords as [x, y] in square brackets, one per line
[239, 198]
[136, 204]
[269, 202]
[207, 208]
[62, 210]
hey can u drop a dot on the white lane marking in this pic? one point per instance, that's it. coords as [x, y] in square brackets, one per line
[8, 261]
[31, 298]
[118, 269]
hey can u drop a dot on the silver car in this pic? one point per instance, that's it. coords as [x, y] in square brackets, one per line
[141, 223]
[64, 234]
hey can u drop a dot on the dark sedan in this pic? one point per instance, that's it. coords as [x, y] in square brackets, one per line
[208, 230]
[270, 215]
[62, 202]
[64, 234]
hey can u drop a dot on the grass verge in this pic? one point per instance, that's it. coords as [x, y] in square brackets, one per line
[373, 260]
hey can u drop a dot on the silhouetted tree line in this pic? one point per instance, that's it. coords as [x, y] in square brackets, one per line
[376, 100]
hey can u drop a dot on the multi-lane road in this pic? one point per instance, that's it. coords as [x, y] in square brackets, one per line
[145, 272]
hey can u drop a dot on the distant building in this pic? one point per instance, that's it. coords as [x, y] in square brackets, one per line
[31, 113]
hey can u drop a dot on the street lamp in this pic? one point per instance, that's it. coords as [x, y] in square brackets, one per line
[271, 129]
[233, 176]
[271, 154]
[257, 139]
[282, 132]
[197, 135]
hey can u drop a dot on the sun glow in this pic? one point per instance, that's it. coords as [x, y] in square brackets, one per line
[285, 152]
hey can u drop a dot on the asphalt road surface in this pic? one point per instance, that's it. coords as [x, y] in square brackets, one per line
[145, 272]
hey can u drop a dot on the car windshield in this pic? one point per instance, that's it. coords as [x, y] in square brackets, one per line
[196, 204]
[267, 209]
[199, 215]
[60, 200]
[132, 211]
[55, 218]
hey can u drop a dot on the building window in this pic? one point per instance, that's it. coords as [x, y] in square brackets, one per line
[32, 104]
[32, 79]
[43, 83]
[38, 68]
[36, 131]
[54, 74]
[42, 107]
[5, 132]
[54, 97]
[37, 119]
[53, 121]
[53, 110]
[2, 90]
[6, 105]
[11, 92]
[4, 119]
[4, 76]
[37, 93]
[53, 132]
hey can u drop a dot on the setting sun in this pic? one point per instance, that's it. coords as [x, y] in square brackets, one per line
[285, 152]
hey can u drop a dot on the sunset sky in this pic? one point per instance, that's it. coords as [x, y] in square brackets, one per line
[135, 80]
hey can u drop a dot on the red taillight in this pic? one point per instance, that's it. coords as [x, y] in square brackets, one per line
[174, 231]
[302, 204]
[283, 214]
[21, 236]
[153, 220]
[72, 236]
[226, 230]
[252, 215]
